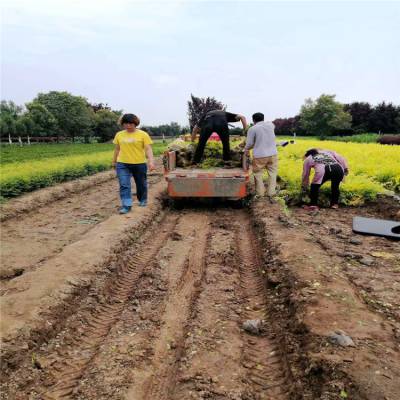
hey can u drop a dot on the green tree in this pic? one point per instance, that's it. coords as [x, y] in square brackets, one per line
[73, 114]
[171, 129]
[9, 114]
[397, 121]
[360, 116]
[43, 121]
[324, 116]
[106, 124]
[23, 127]
[384, 118]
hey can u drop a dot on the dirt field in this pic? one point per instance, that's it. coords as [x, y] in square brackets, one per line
[152, 305]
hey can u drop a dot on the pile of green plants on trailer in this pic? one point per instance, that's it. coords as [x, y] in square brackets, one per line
[212, 156]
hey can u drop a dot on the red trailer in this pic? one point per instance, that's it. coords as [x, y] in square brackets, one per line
[229, 183]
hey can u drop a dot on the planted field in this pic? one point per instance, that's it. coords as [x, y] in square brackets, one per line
[374, 169]
[28, 168]
[13, 154]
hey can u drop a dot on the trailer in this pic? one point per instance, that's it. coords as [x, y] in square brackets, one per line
[228, 183]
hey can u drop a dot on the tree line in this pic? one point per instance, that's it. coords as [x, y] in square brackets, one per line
[327, 117]
[61, 116]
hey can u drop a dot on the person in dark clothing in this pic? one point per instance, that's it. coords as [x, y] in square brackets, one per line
[215, 121]
[328, 166]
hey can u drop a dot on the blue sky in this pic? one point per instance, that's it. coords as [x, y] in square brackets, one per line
[147, 57]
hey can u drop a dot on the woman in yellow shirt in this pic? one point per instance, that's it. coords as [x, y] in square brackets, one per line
[132, 147]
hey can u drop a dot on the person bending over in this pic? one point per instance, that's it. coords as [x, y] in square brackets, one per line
[215, 121]
[328, 166]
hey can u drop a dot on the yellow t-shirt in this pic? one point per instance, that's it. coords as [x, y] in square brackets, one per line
[131, 146]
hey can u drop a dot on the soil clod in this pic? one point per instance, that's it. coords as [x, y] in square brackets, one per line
[253, 326]
[341, 338]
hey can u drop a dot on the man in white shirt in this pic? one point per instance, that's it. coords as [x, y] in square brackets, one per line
[261, 138]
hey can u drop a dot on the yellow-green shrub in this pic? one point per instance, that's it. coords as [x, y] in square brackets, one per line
[39, 166]
[374, 169]
[17, 178]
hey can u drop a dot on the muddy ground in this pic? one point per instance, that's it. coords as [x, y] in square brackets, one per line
[161, 316]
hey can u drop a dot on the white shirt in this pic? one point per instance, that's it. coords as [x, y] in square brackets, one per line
[261, 138]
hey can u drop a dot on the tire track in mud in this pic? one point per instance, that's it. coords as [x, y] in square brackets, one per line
[169, 323]
[211, 365]
[257, 368]
[158, 381]
[267, 373]
[77, 356]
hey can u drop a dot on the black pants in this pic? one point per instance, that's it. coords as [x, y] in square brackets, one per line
[206, 131]
[333, 173]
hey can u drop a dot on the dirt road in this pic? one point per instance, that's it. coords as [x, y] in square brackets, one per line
[158, 311]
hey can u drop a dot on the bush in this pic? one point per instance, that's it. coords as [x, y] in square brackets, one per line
[361, 138]
[389, 139]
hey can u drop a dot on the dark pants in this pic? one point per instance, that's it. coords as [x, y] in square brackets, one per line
[207, 130]
[125, 173]
[333, 173]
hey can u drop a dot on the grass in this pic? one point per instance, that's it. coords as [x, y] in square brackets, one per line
[15, 153]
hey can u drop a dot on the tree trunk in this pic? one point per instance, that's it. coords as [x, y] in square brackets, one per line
[20, 141]
[9, 139]
[29, 140]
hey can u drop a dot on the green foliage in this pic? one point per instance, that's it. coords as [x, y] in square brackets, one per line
[106, 124]
[21, 126]
[9, 115]
[73, 114]
[28, 168]
[385, 118]
[361, 113]
[323, 116]
[17, 178]
[16, 154]
[171, 129]
[43, 121]
[237, 131]
[159, 146]
[361, 138]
